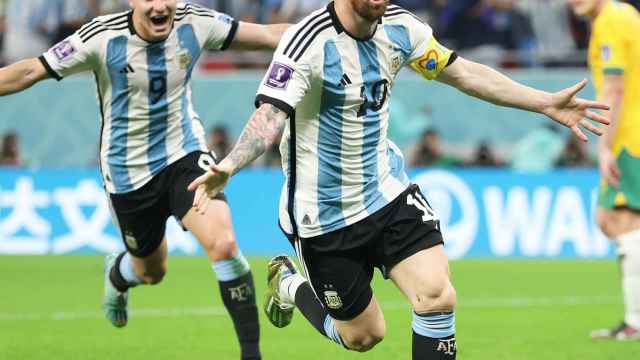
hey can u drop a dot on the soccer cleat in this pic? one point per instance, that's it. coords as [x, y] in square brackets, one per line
[114, 302]
[277, 306]
[622, 332]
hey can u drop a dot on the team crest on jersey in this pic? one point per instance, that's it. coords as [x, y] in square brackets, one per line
[332, 299]
[63, 50]
[605, 51]
[184, 58]
[396, 62]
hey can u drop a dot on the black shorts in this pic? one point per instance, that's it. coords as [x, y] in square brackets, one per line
[340, 264]
[141, 215]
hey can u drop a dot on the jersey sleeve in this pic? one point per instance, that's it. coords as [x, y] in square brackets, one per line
[218, 29]
[70, 56]
[612, 47]
[287, 81]
[428, 57]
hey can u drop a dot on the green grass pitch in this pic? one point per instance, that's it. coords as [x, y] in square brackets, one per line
[49, 309]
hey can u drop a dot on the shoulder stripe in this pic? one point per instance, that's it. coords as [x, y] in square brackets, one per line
[303, 27]
[101, 26]
[93, 24]
[182, 16]
[402, 12]
[196, 8]
[89, 36]
[315, 34]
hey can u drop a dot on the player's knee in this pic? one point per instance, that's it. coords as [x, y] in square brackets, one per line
[440, 296]
[365, 339]
[154, 275]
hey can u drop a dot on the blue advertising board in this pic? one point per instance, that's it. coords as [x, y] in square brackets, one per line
[484, 213]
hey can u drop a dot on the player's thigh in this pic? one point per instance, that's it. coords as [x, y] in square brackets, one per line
[213, 229]
[617, 221]
[365, 330]
[424, 278]
[341, 277]
[141, 217]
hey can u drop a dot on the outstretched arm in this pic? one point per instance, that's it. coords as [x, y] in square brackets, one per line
[612, 94]
[21, 75]
[262, 130]
[252, 36]
[488, 84]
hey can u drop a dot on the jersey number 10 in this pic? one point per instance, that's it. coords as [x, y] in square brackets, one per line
[374, 97]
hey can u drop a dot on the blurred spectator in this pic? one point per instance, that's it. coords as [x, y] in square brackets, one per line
[218, 141]
[551, 24]
[10, 150]
[428, 152]
[291, 11]
[28, 25]
[112, 6]
[71, 15]
[574, 154]
[484, 156]
[538, 150]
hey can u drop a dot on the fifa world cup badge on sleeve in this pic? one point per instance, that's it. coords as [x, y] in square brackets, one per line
[63, 50]
[279, 76]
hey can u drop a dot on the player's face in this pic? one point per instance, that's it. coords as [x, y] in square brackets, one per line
[371, 10]
[154, 17]
[584, 7]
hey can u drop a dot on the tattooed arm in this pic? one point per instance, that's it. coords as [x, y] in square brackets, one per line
[258, 135]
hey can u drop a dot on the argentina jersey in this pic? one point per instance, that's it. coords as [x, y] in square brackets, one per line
[144, 89]
[339, 164]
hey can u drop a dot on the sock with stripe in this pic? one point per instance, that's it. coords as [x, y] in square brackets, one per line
[434, 336]
[239, 297]
[122, 274]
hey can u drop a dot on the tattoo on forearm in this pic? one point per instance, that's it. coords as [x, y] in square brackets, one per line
[261, 131]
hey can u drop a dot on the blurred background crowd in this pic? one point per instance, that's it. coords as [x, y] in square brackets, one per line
[511, 34]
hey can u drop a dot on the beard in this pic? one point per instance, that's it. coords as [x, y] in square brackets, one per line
[367, 11]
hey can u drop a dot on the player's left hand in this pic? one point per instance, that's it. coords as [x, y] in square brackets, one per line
[574, 113]
[209, 185]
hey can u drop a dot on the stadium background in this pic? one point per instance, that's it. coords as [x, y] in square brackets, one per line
[516, 197]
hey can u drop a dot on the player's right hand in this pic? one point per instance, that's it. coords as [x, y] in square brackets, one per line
[609, 169]
[208, 185]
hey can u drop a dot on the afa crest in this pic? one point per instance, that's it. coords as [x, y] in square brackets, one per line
[332, 300]
[184, 59]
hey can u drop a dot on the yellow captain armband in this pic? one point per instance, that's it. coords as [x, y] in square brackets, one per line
[433, 61]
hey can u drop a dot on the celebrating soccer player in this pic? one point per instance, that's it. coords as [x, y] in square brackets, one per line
[348, 205]
[152, 143]
[614, 58]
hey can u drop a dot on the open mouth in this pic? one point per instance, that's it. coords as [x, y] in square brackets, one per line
[160, 20]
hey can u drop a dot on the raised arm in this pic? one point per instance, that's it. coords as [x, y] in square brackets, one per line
[21, 75]
[262, 130]
[257, 36]
[488, 84]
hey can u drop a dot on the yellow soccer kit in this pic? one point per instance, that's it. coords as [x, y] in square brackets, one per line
[614, 48]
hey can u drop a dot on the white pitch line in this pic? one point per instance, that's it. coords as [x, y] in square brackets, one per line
[477, 303]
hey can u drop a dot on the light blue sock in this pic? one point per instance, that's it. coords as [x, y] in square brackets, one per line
[435, 326]
[127, 271]
[231, 269]
[331, 332]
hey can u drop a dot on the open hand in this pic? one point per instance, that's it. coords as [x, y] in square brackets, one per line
[208, 185]
[574, 112]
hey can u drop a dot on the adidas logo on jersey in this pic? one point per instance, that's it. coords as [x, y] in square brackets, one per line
[345, 80]
[128, 69]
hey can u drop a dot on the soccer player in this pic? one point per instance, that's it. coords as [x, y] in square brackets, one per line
[152, 143]
[614, 58]
[348, 205]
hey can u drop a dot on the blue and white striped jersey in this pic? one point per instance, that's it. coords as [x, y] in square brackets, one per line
[340, 165]
[144, 89]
